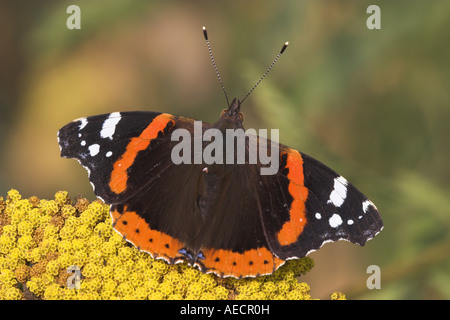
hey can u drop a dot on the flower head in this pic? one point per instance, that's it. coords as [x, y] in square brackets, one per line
[45, 245]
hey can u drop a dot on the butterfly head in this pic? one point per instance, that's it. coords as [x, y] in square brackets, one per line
[233, 113]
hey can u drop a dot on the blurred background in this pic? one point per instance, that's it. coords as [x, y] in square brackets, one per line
[371, 104]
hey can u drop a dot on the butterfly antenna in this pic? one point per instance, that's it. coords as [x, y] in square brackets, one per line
[205, 34]
[268, 70]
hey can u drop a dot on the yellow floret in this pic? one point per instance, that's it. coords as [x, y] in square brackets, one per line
[49, 245]
[141, 265]
[52, 268]
[103, 230]
[175, 296]
[338, 296]
[49, 207]
[53, 292]
[6, 244]
[68, 211]
[207, 281]
[166, 288]
[191, 275]
[79, 244]
[88, 295]
[62, 198]
[91, 270]
[220, 293]
[83, 231]
[80, 258]
[11, 293]
[194, 291]
[109, 289]
[34, 255]
[96, 256]
[91, 285]
[117, 240]
[15, 258]
[249, 287]
[156, 295]
[120, 274]
[17, 215]
[65, 246]
[25, 242]
[298, 294]
[36, 285]
[22, 273]
[10, 231]
[137, 279]
[161, 267]
[108, 249]
[283, 287]
[207, 295]
[114, 261]
[173, 277]
[51, 231]
[25, 228]
[7, 278]
[125, 289]
[269, 288]
[65, 260]
[69, 294]
[34, 217]
[13, 196]
[125, 253]
[107, 272]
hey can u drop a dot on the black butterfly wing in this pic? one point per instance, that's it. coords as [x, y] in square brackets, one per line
[128, 156]
[122, 150]
[100, 142]
[308, 205]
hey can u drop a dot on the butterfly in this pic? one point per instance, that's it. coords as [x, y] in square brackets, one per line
[224, 217]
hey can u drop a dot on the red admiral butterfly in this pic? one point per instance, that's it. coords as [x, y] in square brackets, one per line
[223, 218]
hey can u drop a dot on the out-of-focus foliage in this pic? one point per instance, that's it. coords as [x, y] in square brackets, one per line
[371, 104]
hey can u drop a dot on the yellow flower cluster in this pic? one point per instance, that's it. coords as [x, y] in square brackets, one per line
[53, 249]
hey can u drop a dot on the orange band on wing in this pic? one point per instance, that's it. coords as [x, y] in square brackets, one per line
[119, 175]
[292, 228]
[137, 231]
[252, 262]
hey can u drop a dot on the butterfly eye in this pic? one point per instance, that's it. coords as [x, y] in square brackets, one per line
[241, 116]
[223, 112]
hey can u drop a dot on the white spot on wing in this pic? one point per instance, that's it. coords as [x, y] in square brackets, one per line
[94, 149]
[318, 215]
[109, 126]
[366, 204]
[339, 193]
[335, 220]
[83, 124]
[108, 154]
